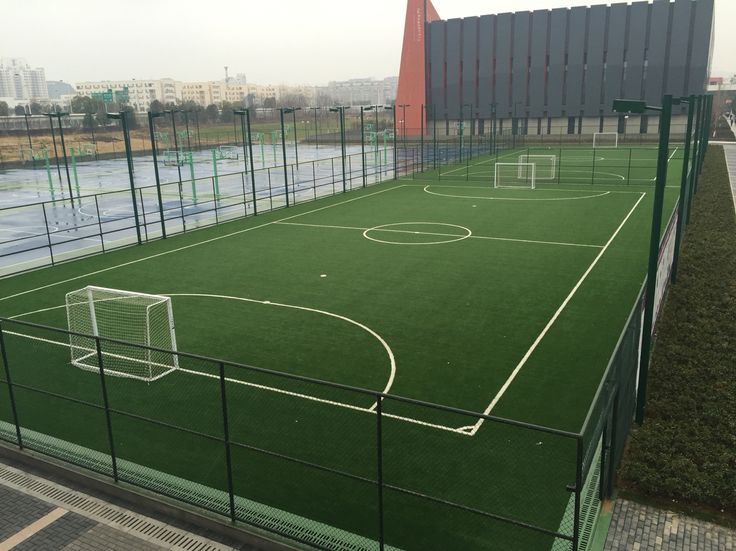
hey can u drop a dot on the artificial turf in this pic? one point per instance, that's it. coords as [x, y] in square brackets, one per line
[458, 316]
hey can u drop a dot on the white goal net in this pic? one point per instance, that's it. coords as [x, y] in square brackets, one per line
[137, 319]
[605, 140]
[515, 176]
[228, 152]
[545, 166]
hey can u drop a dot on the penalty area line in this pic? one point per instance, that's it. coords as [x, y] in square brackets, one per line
[552, 320]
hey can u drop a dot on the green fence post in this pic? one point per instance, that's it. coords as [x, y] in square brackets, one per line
[252, 165]
[152, 116]
[9, 382]
[662, 162]
[215, 177]
[696, 157]
[191, 174]
[683, 188]
[283, 148]
[106, 405]
[226, 440]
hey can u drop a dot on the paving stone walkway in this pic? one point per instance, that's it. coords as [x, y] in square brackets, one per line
[636, 527]
[37, 514]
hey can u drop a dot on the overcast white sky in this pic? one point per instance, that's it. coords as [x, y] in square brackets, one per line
[271, 41]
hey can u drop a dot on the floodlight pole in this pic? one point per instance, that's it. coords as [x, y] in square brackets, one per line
[26, 116]
[283, 148]
[172, 112]
[316, 133]
[421, 139]
[362, 145]
[696, 156]
[58, 116]
[683, 186]
[56, 151]
[186, 122]
[396, 155]
[151, 129]
[244, 115]
[121, 116]
[340, 110]
[661, 181]
[296, 143]
[493, 128]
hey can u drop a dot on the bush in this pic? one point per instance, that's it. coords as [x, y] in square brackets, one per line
[686, 449]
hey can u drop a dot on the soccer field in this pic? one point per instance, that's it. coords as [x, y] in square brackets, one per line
[433, 289]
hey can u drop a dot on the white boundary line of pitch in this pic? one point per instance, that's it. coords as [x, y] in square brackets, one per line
[192, 245]
[470, 236]
[552, 320]
[668, 162]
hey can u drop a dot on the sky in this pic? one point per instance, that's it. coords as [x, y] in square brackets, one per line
[271, 42]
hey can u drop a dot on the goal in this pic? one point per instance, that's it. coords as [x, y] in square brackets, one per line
[228, 152]
[545, 166]
[137, 319]
[605, 140]
[515, 176]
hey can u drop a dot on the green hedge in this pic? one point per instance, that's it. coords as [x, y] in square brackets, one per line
[686, 449]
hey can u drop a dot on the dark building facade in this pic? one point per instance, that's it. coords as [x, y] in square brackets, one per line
[564, 67]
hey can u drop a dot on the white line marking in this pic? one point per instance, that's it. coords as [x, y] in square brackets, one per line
[388, 228]
[668, 162]
[552, 320]
[386, 347]
[198, 243]
[602, 194]
[268, 388]
[443, 234]
[32, 529]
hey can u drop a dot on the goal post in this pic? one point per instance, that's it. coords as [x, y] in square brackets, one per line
[545, 165]
[605, 140]
[514, 176]
[136, 330]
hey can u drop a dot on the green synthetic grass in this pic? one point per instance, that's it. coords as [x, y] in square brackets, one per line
[458, 317]
[684, 452]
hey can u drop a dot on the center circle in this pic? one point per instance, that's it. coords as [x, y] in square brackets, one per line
[437, 233]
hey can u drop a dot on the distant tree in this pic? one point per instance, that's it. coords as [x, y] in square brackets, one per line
[4, 111]
[18, 109]
[211, 112]
[36, 108]
[227, 112]
[156, 106]
[132, 119]
[269, 103]
[294, 100]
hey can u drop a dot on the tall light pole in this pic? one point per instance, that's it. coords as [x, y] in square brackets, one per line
[245, 123]
[340, 110]
[293, 111]
[26, 116]
[173, 112]
[152, 130]
[283, 148]
[640, 107]
[121, 116]
[403, 121]
[493, 127]
[57, 115]
[316, 128]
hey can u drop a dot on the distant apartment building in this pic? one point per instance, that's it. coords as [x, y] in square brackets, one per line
[20, 83]
[362, 91]
[140, 93]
